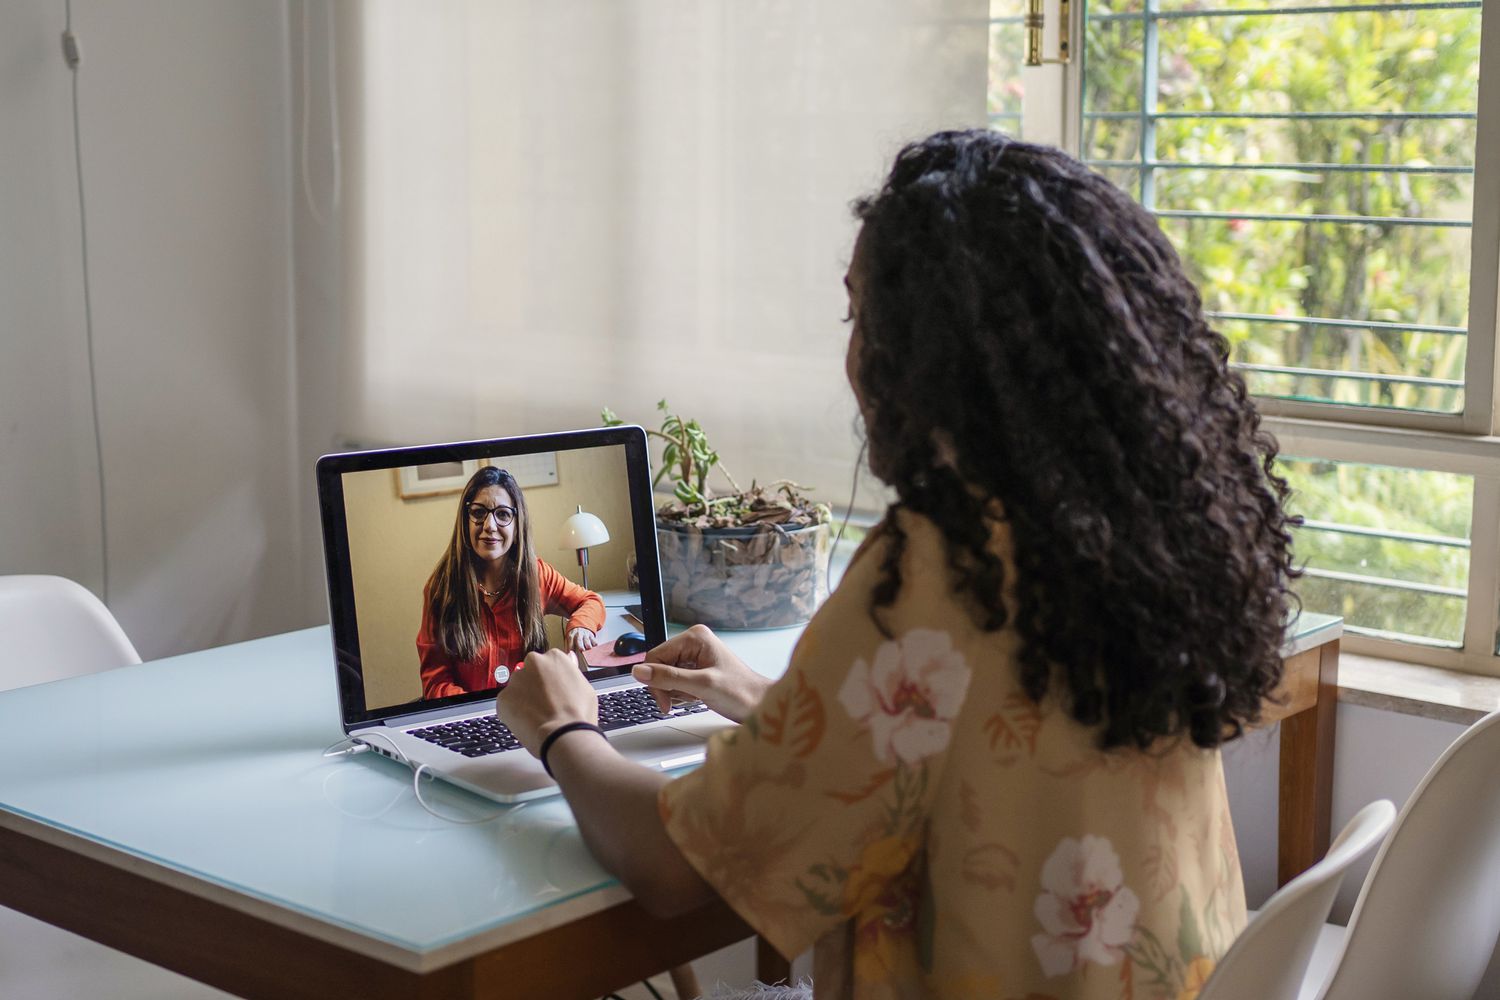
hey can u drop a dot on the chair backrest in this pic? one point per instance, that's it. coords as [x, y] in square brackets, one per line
[1269, 960]
[52, 628]
[1429, 915]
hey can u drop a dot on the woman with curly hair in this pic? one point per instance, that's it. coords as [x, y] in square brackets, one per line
[992, 766]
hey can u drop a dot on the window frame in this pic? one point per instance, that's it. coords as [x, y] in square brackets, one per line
[1476, 456]
[1463, 443]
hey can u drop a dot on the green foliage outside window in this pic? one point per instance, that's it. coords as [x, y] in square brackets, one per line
[1433, 506]
[1404, 62]
[1387, 66]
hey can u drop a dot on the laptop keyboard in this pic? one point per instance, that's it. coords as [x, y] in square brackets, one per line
[484, 735]
[475, 737]
[632, 706]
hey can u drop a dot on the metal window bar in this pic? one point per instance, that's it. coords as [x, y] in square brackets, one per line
[1293, 115]
[1384, 582]
[1151, 44]
[1303, 168]
[1353, 8]
[1431, 383]
[1343, 220]
[1447, 541]
[1347, 324]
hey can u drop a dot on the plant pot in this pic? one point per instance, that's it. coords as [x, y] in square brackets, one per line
[760, 576]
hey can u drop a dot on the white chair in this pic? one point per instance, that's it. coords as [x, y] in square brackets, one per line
[1428, 917]
[1269, 960]
[53, 629]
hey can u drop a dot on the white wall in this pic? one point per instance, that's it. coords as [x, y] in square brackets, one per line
[321, 80]
[49, 489]
[186, 131]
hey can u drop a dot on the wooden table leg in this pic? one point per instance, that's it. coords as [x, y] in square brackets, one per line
[685, 982]
[770, 967]
[1306, 779]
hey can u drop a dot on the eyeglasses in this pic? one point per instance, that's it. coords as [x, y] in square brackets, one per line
[504, 515]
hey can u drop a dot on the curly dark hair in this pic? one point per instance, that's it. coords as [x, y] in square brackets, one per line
[1016, 306]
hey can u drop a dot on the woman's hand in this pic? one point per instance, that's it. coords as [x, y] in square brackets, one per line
[697, 665]
[549, 691]
[579, 639]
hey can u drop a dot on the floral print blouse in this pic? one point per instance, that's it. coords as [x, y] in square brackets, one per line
[901, 804]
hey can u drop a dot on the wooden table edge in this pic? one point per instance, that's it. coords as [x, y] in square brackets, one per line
[249, 955]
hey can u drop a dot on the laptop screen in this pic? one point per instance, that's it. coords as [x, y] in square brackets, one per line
[448, 564]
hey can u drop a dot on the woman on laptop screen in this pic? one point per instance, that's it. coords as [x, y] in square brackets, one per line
[482, 607]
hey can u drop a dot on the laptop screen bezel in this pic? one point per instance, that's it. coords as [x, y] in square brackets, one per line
[342, 615]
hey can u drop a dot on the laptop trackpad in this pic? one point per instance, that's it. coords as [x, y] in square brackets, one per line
[647, 745]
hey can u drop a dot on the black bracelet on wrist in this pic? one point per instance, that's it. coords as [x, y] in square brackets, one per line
[560, 731]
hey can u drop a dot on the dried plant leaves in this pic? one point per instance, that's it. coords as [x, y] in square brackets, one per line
[781, 502]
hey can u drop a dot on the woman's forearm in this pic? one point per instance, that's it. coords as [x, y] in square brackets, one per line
[614, 801]
[439, 679]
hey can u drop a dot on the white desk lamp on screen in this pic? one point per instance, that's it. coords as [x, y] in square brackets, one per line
[580, 531]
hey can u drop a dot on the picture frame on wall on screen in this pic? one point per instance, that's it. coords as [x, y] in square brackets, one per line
[414, 481]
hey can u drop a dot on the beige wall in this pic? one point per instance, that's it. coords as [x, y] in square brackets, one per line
[394, 545]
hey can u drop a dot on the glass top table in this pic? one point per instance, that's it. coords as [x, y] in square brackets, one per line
[209, 765]
[205, 772]
[1311, 629]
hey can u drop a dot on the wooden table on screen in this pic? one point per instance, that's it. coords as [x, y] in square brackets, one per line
[124, 879]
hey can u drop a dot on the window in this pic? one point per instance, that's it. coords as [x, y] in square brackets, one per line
[1314, 166]
[1386, 548]
[1314, 161]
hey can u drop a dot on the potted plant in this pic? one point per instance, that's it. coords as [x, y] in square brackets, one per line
[746, 558]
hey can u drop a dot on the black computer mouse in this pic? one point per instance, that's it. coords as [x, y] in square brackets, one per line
[631, 643]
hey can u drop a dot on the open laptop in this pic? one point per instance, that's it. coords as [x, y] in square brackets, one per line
[390, 516]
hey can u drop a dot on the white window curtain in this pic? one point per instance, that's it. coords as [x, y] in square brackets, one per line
[550, 207]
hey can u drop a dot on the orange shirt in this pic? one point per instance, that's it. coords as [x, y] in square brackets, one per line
[444, 674]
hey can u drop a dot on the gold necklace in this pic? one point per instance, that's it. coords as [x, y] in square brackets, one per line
[491, 594]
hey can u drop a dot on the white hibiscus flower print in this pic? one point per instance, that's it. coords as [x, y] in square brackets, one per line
[1086, 912]
[909, 695]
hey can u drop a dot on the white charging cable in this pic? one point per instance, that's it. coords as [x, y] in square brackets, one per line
[355, 746]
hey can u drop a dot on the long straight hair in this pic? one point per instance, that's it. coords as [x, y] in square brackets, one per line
[453, 588]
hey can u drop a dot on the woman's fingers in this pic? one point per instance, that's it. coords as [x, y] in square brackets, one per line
[664, 681]
[696, 644]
